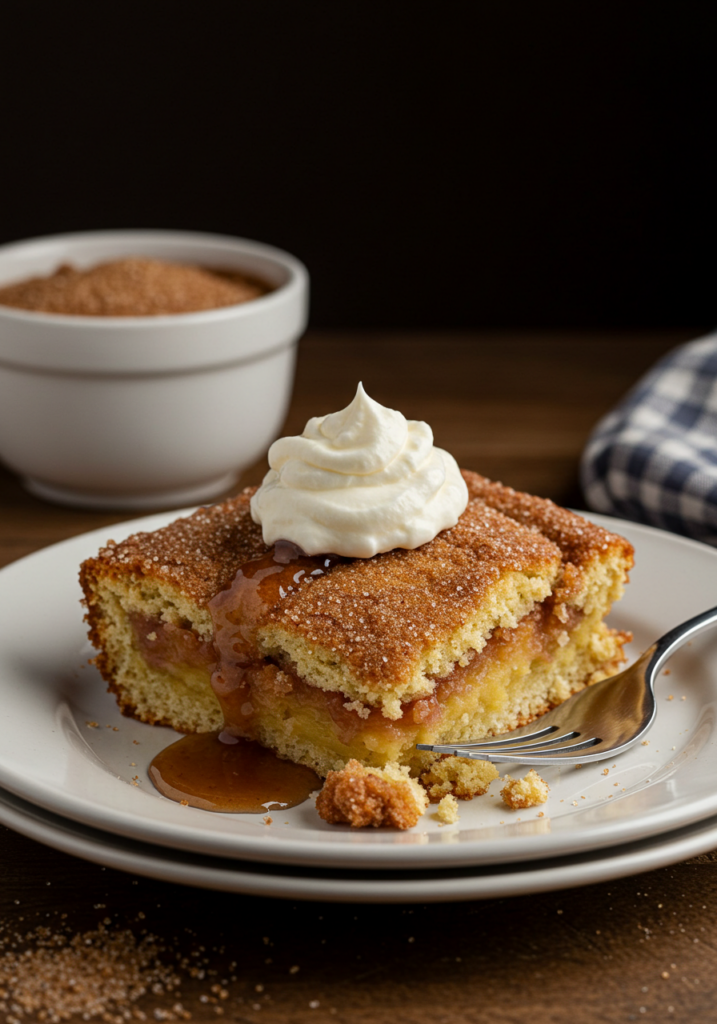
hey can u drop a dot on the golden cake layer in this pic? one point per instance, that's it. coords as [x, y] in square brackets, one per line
[478, 631]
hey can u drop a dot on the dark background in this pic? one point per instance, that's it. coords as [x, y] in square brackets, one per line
[506, 164]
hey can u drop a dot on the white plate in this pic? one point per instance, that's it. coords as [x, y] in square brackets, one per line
[50, 757]
[416, 886]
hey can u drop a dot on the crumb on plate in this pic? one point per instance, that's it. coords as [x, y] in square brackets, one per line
[361, 796]
[447, 810]
[529, 791]
[463, 777]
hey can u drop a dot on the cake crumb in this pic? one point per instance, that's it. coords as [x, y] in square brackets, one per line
[447, 810]
[529, 791]
[360, 796]
[268, 820]
[463, 777]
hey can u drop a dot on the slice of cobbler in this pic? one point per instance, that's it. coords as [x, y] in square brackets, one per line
[331, 659]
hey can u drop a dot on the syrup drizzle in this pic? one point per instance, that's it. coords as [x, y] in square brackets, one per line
[237, 612]
[226, 771]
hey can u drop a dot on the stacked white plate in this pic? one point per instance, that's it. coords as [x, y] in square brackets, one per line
[73, 771]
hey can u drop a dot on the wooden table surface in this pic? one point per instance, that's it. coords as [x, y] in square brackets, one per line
[514, 407]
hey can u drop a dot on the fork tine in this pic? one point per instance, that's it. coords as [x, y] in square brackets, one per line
[549, 743]
[525, 753]
[529, 742]
[519, 744]
[508, 741]
[566, 748]
[572, 753]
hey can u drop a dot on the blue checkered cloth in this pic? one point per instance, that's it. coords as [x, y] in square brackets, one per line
[653, 459]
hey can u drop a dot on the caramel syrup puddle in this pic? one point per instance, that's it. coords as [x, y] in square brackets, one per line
[225, 771]
[235, 777]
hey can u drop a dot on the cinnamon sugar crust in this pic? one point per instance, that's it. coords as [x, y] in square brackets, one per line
[578, 539]
[198, 555]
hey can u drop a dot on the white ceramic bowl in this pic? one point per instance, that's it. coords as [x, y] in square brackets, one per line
[137, 412]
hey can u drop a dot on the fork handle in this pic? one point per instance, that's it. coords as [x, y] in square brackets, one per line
[679, 635]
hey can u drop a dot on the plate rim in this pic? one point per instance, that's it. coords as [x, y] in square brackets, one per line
[227, 875]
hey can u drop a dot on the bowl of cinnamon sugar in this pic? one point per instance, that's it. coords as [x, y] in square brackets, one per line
[144, 369]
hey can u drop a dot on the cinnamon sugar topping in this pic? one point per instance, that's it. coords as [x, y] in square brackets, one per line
[134, 286]
[577, 538]
[200, 555]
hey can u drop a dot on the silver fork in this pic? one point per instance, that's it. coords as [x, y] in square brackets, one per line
[601, 721]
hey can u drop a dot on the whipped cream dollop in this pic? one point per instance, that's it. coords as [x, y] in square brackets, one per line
[358, 482]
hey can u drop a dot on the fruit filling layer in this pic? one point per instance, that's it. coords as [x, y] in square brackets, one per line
[261, 699]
